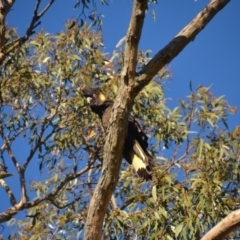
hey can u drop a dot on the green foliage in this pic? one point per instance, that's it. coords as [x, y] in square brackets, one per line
[196, 177]
[196, 186]
[42, 109]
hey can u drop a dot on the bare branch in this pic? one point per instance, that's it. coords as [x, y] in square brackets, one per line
[7, 146]
[223, 228]
[9, 213]
[4, 9]
[125, 204]
[68, 178]
[20, 170]
[66, 205]
[89, 183]
[24, 197]
[9, 192]
[39, 142]
[183, 38]
[34, 23]
[45, 9]
[132, 41]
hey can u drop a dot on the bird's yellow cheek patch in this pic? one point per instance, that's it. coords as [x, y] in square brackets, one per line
[102, 97]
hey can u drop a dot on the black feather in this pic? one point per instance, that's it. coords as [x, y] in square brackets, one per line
[135, 137]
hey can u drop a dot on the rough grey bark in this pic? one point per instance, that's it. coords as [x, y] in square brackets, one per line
[131, 85]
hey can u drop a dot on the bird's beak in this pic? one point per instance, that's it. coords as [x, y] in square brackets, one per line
[89, 99]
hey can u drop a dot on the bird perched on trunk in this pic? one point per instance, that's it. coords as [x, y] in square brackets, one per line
[135, 149]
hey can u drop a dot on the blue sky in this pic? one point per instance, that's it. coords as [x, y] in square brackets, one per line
[213, 58]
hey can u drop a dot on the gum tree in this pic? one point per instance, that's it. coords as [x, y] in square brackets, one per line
[86, 185]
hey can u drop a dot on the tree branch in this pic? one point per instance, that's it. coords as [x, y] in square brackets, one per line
[5, 6]
[9, 192]
[66, 205]
[24, 197]
[9, 213]
[4, 51]
[68, 178]
[113, 148]
[20, 170]
[39, 142]
[223, 228]
[183, 38]
[7, 146]
[132, 41]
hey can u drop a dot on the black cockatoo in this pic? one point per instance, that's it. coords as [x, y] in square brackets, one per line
[135, 149]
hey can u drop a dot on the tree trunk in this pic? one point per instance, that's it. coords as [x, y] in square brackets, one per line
[130, 87]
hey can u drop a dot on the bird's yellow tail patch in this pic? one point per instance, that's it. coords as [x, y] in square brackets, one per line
[140, 166]
[137, 162]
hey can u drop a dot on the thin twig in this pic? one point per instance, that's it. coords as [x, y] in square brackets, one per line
[9, 213]
[7, 146]
[68, 178]
[66, 205]
[30, 30]
[89, 183]
[39, 142]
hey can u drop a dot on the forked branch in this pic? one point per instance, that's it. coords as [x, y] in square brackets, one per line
[9, 213]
